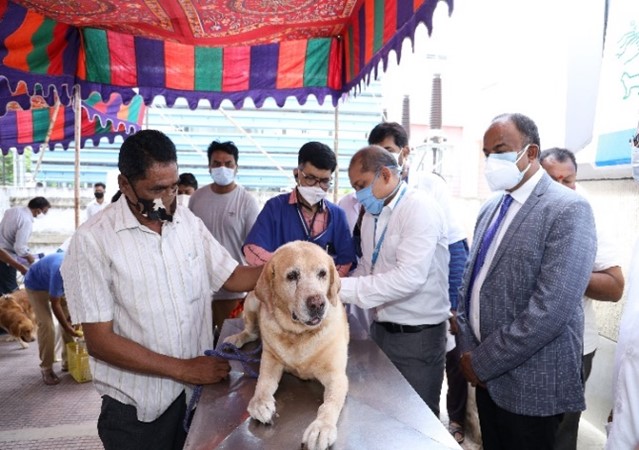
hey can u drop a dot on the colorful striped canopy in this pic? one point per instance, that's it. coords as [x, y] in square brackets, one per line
[21, 128]
[329, 58]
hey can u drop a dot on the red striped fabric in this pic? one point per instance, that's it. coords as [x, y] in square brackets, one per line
[236, 68]
[57, 134]
[55, 49]
[25, 126]
[390, 19]
[122, 59]
[19, 44]
[290, 74]
[179, 63]
[369, 27]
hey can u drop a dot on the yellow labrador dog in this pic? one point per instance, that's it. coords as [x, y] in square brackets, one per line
[296, 310]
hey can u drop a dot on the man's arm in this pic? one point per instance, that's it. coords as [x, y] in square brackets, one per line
[107, 346]
[243, 278]
[606, 285]
[7, 259]
[56, 307]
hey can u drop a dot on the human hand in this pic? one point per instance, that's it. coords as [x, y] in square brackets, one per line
[465, 363]
[454, 327]
[204, 370]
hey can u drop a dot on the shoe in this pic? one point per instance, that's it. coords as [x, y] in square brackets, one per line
[49, 377]
[457, 431]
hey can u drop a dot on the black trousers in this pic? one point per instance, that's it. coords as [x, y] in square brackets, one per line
[120, 429]
[503, 430]
[8, 280]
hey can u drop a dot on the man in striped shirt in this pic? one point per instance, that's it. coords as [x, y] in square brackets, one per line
[140, 278]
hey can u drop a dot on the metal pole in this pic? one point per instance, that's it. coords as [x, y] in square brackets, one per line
[336, 148]
[77, 105]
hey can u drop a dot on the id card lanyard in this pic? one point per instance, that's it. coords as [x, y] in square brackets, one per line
[378, 246]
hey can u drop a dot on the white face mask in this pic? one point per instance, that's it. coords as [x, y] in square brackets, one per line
[501, 170]
[312, 194]
[222, 176]
[183, 199]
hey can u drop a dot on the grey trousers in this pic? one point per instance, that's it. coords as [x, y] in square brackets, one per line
[420, 357]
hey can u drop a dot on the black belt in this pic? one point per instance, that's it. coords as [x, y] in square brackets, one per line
[399, 328]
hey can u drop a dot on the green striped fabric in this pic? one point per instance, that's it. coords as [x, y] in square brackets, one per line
[208, 69]
[378, 37]
[38, 58]
[316, 67]
[97, 53]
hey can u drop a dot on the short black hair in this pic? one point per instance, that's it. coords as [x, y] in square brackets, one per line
[318, 154]
[39, 203]
[386, 129]
[143, 149]
[560, 155]
[226, 147]
[373, 158]
[98, 184]
[524, 124]
[188, 179]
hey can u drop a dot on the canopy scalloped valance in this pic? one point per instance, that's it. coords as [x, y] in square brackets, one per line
[253, 50]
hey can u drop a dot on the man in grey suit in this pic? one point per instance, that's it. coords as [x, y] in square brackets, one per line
[520, 312]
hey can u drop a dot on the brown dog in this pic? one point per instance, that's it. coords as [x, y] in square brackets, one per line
[16, 321]
[296, 309]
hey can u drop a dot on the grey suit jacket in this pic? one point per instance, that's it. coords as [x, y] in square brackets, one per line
[531, 312]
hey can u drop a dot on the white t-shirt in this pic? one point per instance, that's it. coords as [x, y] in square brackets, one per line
[606, 257]
[229, 217]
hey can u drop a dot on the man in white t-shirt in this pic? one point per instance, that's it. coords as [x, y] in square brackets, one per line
[606, 282]
[229, 212]
[138, 277]
[97, 204]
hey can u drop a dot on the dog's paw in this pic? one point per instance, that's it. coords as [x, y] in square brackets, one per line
[262, 409]
[23, 344]
[240, 339]
[319, 435]
[9, 338]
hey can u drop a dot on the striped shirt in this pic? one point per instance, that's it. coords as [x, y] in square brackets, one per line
[155, 288]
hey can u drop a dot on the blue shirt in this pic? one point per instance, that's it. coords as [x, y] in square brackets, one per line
[44, 275]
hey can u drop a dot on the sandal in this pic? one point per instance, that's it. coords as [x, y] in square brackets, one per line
[49, 377]
[457, 431]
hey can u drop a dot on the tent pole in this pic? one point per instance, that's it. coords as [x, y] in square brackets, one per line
[336, 149]
[77, 137]
[45, 144]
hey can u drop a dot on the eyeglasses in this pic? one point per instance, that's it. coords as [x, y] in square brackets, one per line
[312, 180]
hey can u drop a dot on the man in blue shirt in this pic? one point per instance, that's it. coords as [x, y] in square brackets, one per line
[45, 290]
[304, 214]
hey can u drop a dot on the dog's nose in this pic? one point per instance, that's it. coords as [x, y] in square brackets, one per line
[315, 304]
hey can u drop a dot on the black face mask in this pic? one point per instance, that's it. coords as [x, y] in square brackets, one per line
[99, 195]
[154, 209]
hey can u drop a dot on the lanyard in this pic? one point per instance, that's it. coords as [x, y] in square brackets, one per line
[308, 230]
[381, 238]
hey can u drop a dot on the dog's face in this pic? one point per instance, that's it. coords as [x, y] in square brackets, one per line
[15, 321]
[299, 284]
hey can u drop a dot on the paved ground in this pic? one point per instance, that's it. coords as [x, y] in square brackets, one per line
[34, 416]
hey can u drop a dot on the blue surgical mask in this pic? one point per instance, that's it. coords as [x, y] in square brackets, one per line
[367, 199]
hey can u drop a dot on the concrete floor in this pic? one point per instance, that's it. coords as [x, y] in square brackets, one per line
[36, 416]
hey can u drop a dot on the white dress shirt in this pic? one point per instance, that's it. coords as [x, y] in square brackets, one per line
[519, 198]
[156, 288]
[15, 230]
[409, 283]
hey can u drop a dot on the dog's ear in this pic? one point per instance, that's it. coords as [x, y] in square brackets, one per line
[264, 286]
[336, 283]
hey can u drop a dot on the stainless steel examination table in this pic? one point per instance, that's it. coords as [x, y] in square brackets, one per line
[382, 411]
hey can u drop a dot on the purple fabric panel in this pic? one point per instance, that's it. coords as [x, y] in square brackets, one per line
[149, 55]
[71, 51]
[8, 132]
[264, 62]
